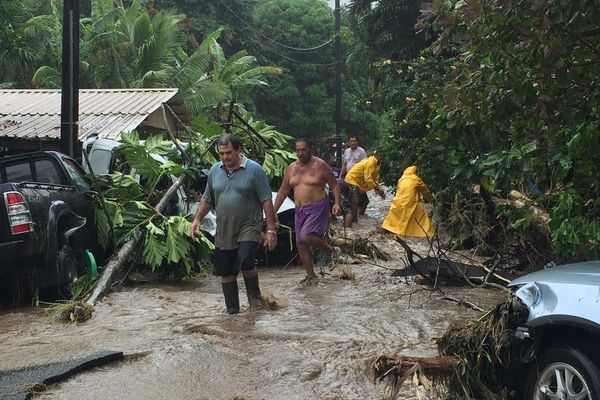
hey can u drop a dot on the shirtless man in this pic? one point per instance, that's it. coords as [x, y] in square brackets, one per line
[308, 177]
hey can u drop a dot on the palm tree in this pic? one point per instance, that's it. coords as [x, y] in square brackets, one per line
[207, 77]
[130, 47]
[24, 39]
[136, 47]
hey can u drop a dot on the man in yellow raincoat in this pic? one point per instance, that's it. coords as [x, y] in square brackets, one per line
[406, 216]
[364, 176]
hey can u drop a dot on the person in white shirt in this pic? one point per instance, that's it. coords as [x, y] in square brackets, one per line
[352, 155]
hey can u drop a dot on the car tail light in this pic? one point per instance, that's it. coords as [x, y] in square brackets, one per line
[19, 216]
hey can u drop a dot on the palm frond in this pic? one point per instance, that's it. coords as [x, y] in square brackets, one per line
[47, 77]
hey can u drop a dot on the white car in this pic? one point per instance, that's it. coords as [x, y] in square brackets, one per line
[557, 341]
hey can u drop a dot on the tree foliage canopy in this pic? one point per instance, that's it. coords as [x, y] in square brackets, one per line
[506, 97]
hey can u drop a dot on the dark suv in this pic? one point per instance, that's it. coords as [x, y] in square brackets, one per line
[46, 222]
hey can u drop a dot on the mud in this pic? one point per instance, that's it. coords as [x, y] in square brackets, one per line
[179, 343]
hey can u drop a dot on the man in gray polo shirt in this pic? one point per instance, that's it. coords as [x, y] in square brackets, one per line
[238, 189]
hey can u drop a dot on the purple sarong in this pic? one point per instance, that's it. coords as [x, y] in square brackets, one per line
[312, 219]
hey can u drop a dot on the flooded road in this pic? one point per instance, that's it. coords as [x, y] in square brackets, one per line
[179, 343]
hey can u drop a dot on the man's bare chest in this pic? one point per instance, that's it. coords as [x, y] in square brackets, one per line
[306, 175]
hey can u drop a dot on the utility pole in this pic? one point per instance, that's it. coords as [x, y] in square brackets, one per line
[69, 111]
[338, 85]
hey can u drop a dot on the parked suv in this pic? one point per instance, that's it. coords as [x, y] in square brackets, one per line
[46, 222]
[557, 340]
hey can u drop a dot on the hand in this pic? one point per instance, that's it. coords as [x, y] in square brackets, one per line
[193, 228]
[270, 241]
[335, 210]
[380, 192]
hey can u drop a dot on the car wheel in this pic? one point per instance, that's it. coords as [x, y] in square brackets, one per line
[66, 269]
[564, 373]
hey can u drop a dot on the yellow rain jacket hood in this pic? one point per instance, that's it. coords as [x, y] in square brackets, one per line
[406, 216]
[364, 174]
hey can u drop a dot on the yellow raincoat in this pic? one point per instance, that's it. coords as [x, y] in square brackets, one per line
[364, 174]
[406, 216]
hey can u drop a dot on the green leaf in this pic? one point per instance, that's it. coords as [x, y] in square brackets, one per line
[156, 145]
[131, 138]
[154, 250]
[178, 246]
[207, 128]
[154, 230]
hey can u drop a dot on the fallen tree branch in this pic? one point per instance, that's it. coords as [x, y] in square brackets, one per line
[438, 365]
[118, 260]
[465, 303]
[431, 267]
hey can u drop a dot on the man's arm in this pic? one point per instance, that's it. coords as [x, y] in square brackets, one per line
[201, 212]
[372, 178]
[422, 187]
[333, 186]
[271, 234]
[284, 189]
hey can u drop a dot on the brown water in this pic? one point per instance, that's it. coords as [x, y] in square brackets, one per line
[180, 345]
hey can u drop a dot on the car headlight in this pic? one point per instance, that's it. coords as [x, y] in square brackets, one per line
[529, 294]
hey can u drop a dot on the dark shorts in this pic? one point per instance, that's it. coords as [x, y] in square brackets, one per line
[346, 208]
[230, 262]
[312, 220]
[362, 200]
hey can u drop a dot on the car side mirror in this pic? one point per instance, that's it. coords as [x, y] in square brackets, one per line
[91, 194]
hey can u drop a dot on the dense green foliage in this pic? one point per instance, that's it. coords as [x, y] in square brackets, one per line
[203, 17]
[506, 97]
[385, 28]
[301, 102]
[501, 94]
[205, 48]
[22, 24]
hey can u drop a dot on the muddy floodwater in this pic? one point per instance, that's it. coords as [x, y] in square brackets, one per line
[179, 343]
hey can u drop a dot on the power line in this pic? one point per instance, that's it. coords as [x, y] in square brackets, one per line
[292, 59]
[273, 40]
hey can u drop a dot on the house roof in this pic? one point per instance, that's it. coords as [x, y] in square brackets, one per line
[35, 114]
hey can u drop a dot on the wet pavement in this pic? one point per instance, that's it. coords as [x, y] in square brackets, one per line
[179, 343]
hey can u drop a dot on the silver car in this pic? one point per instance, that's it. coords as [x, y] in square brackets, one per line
[558, 337]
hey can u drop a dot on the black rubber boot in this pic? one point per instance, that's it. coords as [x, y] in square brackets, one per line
[253, 291]
[232, 298]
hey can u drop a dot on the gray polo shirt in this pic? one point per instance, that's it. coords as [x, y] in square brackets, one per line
[237, 198]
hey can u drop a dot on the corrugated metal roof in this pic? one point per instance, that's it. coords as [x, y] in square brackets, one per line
[35, 114]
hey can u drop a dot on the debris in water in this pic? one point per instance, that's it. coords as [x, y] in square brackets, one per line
[360, 246]
[271, 302]
[32, 388]
[472, 364]
[395, 370]
[343, 272]
[69, 310]
[482, 347]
